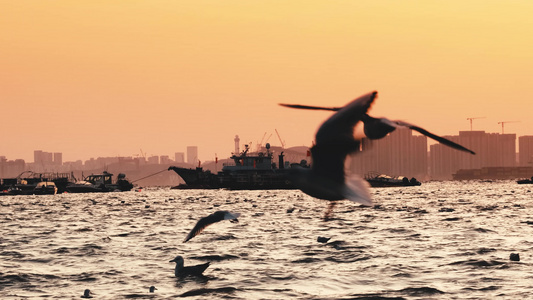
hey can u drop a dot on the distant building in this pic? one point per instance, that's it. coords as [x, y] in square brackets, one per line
[45, 161]
[58, 158]
[179, 157]
[492, 150]
[525, 148]
[165, 159]
[192, 155]
[399, 154]
[37, 156]
[237, 141]
[153, 160]
[11, 168]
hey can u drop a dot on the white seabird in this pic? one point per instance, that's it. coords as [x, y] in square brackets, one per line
[212, 218]
[180, 270]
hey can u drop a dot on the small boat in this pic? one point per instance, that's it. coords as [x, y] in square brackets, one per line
[525, 181]
[382, 180]
[31, 183]
[45, 188]
[101, 183]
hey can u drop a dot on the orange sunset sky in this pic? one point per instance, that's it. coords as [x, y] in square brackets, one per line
[108, 78]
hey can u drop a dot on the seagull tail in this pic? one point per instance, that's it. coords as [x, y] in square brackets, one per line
[357, 190]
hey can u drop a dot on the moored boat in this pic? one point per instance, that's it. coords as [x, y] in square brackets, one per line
[31, 183]
[382, 180]
[525, 181]
[102, 183]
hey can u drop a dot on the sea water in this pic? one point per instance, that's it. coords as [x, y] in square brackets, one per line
[441, 240]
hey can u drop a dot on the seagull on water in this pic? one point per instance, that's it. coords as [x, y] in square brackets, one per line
[181, 271]
[334, 140]
[212, 218]
[87, 294]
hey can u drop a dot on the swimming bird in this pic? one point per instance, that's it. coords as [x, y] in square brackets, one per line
[212, 218]
[87, 294]
[377, 128]
[152, 289]
[181, 270]
[334, 140]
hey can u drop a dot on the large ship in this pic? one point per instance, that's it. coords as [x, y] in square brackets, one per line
[246, 171]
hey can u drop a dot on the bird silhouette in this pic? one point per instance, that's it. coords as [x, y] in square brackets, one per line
[334, 140]
[212, 218]
[377, 128]
[180, 270]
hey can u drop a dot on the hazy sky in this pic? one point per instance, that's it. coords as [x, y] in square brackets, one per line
[107, 78]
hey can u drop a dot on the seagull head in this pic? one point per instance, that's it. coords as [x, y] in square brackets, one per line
[178, 260]
[377, 128]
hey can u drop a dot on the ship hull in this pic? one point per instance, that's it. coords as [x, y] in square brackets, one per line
[237, 180]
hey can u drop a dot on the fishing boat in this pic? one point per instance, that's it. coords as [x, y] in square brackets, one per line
[197, 178]
[382, 180]
[245, 171]
[102, 183]
[31, 183]
[45, 188]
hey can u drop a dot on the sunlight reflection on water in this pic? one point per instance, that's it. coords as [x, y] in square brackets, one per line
[439, 240]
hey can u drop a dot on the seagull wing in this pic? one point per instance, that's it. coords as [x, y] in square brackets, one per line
[206, 221]
[195, 270]
[434, 136]
[310, 107]
[335, 140]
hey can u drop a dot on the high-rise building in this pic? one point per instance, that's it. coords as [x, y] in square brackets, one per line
[399, 154]
[37, 156]
[525, 149]
[58, 158]
[179, 157]
[492, 150]
[164, 159]
[153, 160]
[192, 155]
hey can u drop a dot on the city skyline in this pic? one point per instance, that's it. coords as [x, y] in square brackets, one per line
[94, 79]
[232, 146]
[192, 153]
[401, 153]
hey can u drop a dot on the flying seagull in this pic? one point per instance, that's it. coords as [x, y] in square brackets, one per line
[212, 218]
[377, 128]
[334, 140]
[181, 270]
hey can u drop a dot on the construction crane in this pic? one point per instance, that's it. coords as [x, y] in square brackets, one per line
[504, 122]
[260, 144]
[282, 143]
[473, 119]
[143, 154]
